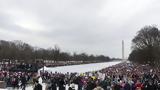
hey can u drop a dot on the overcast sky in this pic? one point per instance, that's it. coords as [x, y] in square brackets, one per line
[91, 26]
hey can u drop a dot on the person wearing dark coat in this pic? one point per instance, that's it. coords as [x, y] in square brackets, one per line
[53, 85]
[79, 82]
[91, 85]
[150, 86]
[37, 86]
[24, 81]
[117, 87]
[127, 86]
[61, 84]
[103, 84]
[15, 82]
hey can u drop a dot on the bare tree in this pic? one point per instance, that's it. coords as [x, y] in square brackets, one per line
[146, 45]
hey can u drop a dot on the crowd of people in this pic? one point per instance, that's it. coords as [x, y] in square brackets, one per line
[16, 79]
[123, 76]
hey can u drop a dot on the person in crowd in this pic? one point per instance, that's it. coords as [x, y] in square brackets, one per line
[71, 87]
[138, 85]
[61, 84]
[51, 85]
[37, 86]
[23, 82]
[98, 86]
[90, 84]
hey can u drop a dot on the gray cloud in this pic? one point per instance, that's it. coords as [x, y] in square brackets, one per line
[92, 26]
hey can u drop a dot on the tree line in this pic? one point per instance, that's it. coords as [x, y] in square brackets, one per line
[23, 52]
[146, 46]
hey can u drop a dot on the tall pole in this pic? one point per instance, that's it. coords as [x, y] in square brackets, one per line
[122, 49]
